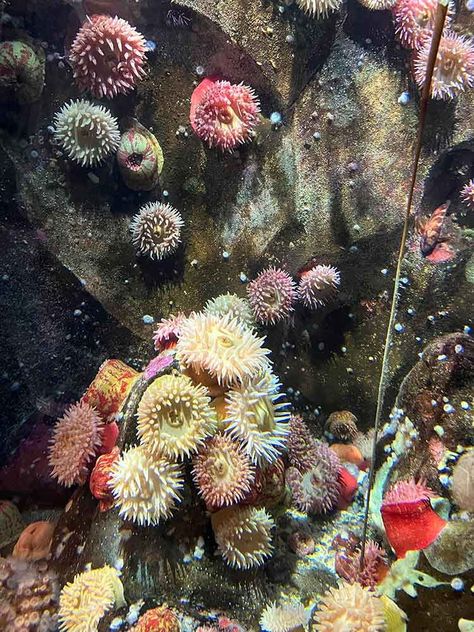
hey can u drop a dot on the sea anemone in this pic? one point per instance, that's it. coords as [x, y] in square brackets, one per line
[285, 618]
[378, 5]
[374, 567]
[221, 346]
[256, 417]
[318, 489]
[84, 601]
[414, 21]
[269, 486]
[107, 56]
[99, 482]
[139, 158]
[145, 488]
[223, 114]
[35, 541]
[350, 607]
[88, 133]
[222, 472]
[410, 522]
[272, 295]
[233, 305]
[301, 445]
[318, 286]
[175, 417]
[467, 194]
[156, 230]
[243, 535]
[342, 424]
[454, 67]
[21, 71]
[161, 619]
[319, 8]
[76, 439]
[28, 596]
[166, 334]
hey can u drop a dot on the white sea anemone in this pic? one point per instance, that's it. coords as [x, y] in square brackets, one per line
[243, 535]
[231, 304]
[350, 607]
[88, 133]
[287, 617]
[257, 418]
[156, 230]
[319, 8]
[222, 347]
[145, 488]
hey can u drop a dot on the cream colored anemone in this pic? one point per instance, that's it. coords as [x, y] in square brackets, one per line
[319, 8]
[257, 418]
[221, 346]
[243, 535]
[145, 488]
[350, 607]
[286, 617]
[84, 601]
[175, 416]
[233, 305]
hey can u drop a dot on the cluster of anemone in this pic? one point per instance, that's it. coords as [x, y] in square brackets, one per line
[273, 293]
[88, 133]
[223, 114]
[156, 230]
[107, 56]
[75, 442]
[87, 599]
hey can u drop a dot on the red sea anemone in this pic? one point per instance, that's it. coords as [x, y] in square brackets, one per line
[454, 68]
[272, 295]
[100, 477]
[107, 56]
[414, 19]
[410, 522]
[76, 440]
[223, 114]
[318, 285]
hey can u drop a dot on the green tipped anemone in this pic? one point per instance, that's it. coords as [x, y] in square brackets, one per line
[140, 158]
[21, 71]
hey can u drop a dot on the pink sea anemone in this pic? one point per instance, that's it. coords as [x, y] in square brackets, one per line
[374, 567]
[166, 334]
[414, 20]
[107, 56]
[318, 286]
[467, 194]
[223, 114]
[301, 445]
[222, 472]
[77, 438]
[272, 295]
[407, 491]
[454, 69]
[317, 490]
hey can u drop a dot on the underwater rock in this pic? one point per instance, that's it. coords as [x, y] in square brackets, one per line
[139, 157]
[11, 523]
[462, 482]
[21, 71]
[453, 551]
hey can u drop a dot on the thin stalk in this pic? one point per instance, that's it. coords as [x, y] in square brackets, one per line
[425, 96]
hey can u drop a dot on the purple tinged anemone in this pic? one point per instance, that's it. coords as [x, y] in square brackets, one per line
[316, 490]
